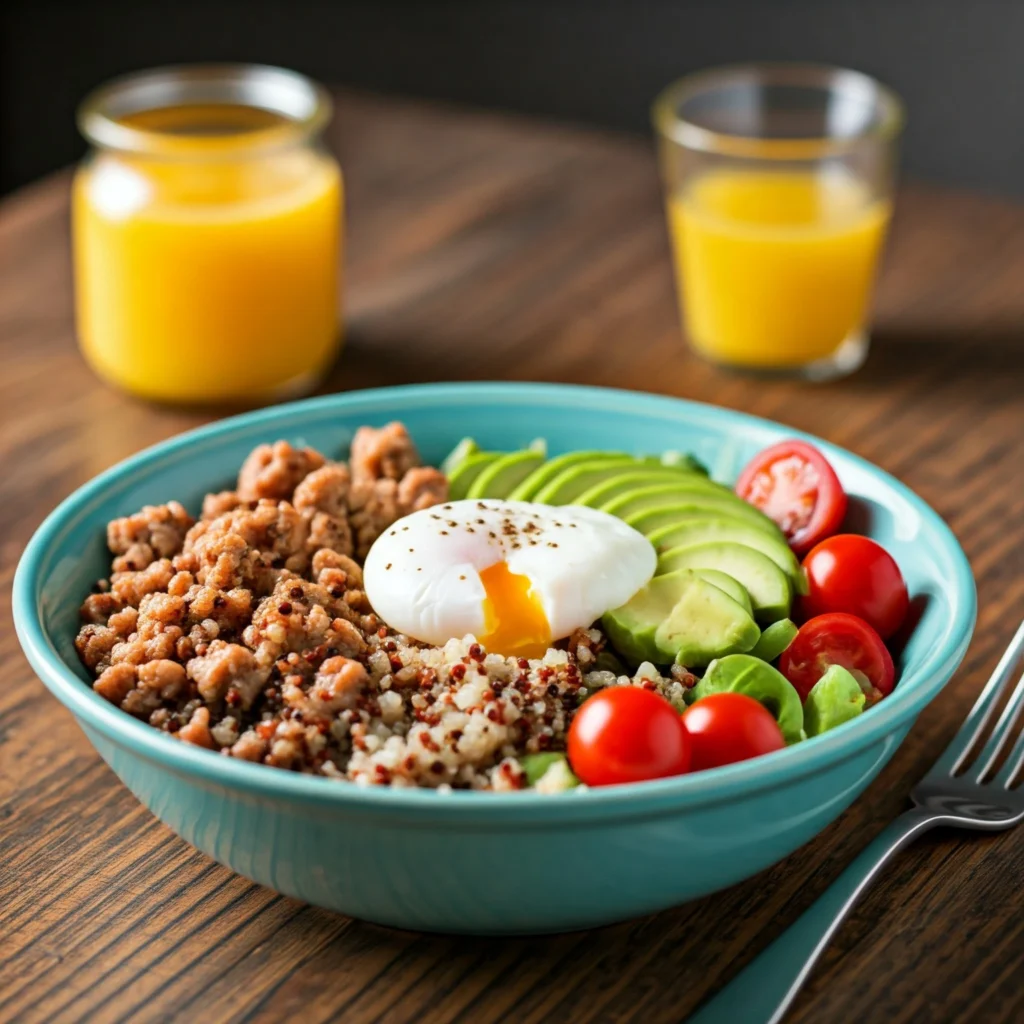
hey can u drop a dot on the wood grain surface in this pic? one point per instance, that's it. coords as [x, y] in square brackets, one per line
[488, 247]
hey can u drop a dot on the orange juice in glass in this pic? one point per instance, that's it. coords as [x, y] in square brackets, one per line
[778, 187]
[207, 230]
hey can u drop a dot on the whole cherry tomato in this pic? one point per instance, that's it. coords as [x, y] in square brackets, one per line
[728, 727]
[627, 734]
[793, 484]
[853, 574]
[839, 639]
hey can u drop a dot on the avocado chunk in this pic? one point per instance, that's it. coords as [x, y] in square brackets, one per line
[768, 586]
[775, 639]
[682, 617]
[502, 476]
[732, 587]
[637, 476]
[743, 673]
[835, 698]
[607, 661]
[552, 768]
[464, 475]
[702, 531]
[698, 507]
[543, 475]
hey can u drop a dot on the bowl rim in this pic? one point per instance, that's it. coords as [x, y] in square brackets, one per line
[636, 799]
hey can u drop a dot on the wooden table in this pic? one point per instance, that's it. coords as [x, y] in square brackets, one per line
[488, 247]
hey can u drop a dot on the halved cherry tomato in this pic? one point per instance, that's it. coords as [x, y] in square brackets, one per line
[728, 727]
[853, 574]
[627, 734]
[793, 484]
[839, 639]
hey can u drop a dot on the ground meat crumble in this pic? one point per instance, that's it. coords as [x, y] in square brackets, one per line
[248, 632]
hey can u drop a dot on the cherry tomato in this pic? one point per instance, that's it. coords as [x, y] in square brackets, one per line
[728, 727]
[853, 574]
[839, 639]
[627, 734]
[793, 484]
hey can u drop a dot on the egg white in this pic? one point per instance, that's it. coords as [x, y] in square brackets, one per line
[422, 576]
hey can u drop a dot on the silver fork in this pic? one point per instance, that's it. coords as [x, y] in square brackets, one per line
[764, 990]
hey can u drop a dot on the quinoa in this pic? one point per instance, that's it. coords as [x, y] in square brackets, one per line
[247, 632]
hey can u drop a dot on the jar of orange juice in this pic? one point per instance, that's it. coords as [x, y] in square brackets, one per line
[207, 224]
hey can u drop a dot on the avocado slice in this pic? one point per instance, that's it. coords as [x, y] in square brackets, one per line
[631, 627]
[768, 586]
[683, 460]
[743, 673]
[543, 475]
[637, 477]
[501, 477]
[775, 639]
[572, 484]
[466, 447]
[698, 507]
[705, 623]
[701, 531]
[665, 492]
[572, 481]
[464, 475]
[683, 617]
[731, 586]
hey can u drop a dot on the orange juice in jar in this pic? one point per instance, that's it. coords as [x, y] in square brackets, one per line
[778, 192]
[207, 230]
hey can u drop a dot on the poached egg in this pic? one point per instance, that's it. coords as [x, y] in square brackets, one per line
[514, 574]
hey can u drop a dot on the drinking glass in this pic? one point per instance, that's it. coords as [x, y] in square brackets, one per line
[778, 186]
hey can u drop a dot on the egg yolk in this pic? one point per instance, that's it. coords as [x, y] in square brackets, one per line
[514, 621]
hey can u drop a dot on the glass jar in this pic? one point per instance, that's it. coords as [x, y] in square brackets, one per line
[207, 224]
[778, 187]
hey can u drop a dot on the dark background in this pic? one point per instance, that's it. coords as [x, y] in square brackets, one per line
[959, 64]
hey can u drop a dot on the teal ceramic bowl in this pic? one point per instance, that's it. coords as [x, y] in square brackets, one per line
[480, 862]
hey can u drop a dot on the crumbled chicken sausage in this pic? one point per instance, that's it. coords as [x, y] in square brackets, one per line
[273, 471]
[387, 452]
[160, 527]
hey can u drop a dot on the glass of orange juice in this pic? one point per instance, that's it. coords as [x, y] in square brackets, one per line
[207, 222]
[779, 183]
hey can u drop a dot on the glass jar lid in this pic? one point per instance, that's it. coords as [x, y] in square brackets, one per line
[295, 109]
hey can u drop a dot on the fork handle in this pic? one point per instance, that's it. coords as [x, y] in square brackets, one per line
[763, 991]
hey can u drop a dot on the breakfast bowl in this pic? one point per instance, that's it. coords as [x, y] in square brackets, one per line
[482, 862]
